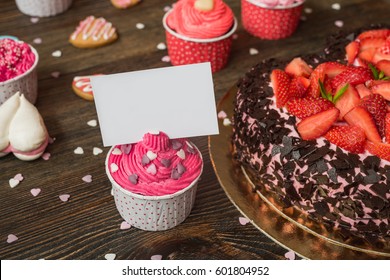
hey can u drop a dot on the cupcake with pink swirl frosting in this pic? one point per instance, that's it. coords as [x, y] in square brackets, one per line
[199, 31]
[155, 180]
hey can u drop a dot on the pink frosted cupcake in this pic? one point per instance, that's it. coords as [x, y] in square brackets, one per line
[199, 31]
[271, 19]
[43, 8]
[18, 63]
[155, 180]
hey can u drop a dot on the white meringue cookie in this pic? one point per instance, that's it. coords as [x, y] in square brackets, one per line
[7, 112]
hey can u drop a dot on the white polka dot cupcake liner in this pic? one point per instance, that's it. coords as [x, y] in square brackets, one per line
[26, 84]
[184, 50]
[270, 23]
[43, 8]
[153, 213]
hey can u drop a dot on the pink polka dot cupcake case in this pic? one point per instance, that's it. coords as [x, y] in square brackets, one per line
[271, 19]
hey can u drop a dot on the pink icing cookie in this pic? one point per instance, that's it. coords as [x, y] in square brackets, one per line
[124, 4]
[81, 86]
[16, 58]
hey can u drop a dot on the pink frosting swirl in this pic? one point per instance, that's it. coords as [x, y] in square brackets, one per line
[155, 166]
[15, 58]
[186, 20]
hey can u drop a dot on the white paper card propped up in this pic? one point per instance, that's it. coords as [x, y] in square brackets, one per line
[177, 100]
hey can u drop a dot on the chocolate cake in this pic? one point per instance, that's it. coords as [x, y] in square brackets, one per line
[347, 192]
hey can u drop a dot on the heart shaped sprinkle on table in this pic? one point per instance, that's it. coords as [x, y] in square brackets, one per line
[79, 151]
[125, 225]
[167, 8]
[156, 257]
[308, 10]
[339, 23]
[19, 177]
[11, 238]
[96, 151]
[253, 51]
[92, 123]
[34, 19]
[56, 53]
[151, 155]
[243, 221]
[87, 178]
[114, 167]
[166, 58]
[161, 46]
[336, 6]
[37, 41]
[140, 25]
[181, 154]
[152, 169]
[226, 122]
[64, 197]
[35, 191]
[290, 255]
[116, 152]
[55, 74]
[13, 182]
[46, 156]
[110, 257]
[235, 36]
[222, 115]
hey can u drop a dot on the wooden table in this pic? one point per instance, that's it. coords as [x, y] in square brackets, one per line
[88, 225]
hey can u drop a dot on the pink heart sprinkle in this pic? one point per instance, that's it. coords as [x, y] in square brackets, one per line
[35, 191]
[167, 8]
[243, 221]
[19, 177]
[55, 74]
[222, 115]
[166, 58]
[87, 178]
[34, 19]
[156, 257]
[339, 23]
[37, 41]
[125, 225]
[46, 156]
[51, 140]
[64, 197]
[290, 255]
[12, 238]
[152, 169]
[235, 36]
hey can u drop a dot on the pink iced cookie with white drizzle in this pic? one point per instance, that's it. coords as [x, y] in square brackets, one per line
[81, 86]
[201, 19]
[155, 166]
[16, 58]
[93, 32]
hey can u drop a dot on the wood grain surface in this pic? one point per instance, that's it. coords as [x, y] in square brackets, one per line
[88, 225]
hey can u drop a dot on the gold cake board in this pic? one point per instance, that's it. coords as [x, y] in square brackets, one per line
[288, 227]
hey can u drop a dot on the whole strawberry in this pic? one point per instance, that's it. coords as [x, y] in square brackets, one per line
[308, 106]
[349, 137]
[376, 105]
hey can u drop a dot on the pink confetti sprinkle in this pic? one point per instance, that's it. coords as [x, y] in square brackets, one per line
[290, 255]
[156, 257]
[37, 41]
[19, 177]
[34, 19]
[235, 36]
[55, 74]
[12, 238]
[308, 10]
[166, 58]
[64, 197]
[35, 191]
[13, 182]
[167, 8]
[46, 156]
[51, 140]
[243, 221]
[125, 225]
[253, 51]
[222, 115]
[339, 23]
[87, 178]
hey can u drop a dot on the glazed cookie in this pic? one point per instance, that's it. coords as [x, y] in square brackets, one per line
[93, 32]
[81, 86]
[124, 4]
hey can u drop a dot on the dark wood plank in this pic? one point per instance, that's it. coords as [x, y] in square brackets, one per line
[87, 226]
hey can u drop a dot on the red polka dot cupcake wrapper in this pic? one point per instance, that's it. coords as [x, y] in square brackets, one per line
[27, 83]
[153, 213]
[183, 50]
[270, 23]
